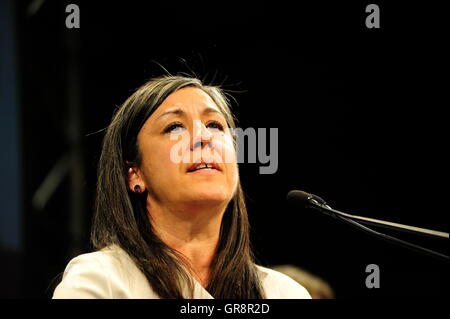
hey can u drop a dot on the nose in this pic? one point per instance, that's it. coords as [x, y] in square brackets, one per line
[201, 136]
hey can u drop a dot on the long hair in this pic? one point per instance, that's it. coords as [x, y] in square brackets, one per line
[121, 216]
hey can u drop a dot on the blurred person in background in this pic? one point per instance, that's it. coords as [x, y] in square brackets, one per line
[316, 286]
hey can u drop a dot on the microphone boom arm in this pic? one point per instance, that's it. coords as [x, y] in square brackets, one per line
[395, 240]
[414, 229]
[348, 219]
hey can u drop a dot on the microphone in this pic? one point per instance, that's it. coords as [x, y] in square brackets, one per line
[307, 200]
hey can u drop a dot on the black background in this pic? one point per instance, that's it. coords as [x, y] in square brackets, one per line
[358, 110]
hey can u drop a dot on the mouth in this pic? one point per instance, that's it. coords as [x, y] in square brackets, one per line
[203, 166]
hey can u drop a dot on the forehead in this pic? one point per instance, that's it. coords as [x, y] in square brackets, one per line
[189, 98]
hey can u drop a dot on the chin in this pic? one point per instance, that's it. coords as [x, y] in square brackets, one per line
[210, 196]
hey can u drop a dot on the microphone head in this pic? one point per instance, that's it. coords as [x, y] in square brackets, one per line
[299, 197]
[303, 198]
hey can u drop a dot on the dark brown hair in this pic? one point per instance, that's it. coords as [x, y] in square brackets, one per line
[121, 216]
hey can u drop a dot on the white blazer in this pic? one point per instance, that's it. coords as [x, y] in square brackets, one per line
[111, 273]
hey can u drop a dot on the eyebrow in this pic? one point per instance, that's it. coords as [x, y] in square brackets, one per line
[180, 112]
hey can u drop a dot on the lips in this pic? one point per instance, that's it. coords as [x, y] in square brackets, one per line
[203, 166]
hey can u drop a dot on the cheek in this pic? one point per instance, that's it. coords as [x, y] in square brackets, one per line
[158, 161]
[167, 159]
[233, 175]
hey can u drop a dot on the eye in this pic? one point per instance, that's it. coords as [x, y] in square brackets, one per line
[173, 127]
[215, 125]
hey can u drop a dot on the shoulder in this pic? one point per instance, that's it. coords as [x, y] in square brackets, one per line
[280, 286]
[108, 273]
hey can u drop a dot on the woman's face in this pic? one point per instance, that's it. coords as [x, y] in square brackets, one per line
[188, 129]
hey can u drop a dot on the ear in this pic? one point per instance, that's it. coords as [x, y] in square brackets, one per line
[134, 177]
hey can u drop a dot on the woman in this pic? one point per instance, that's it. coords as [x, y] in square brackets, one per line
[170, 219]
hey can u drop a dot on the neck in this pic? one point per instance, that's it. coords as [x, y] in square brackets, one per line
[192, 230]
